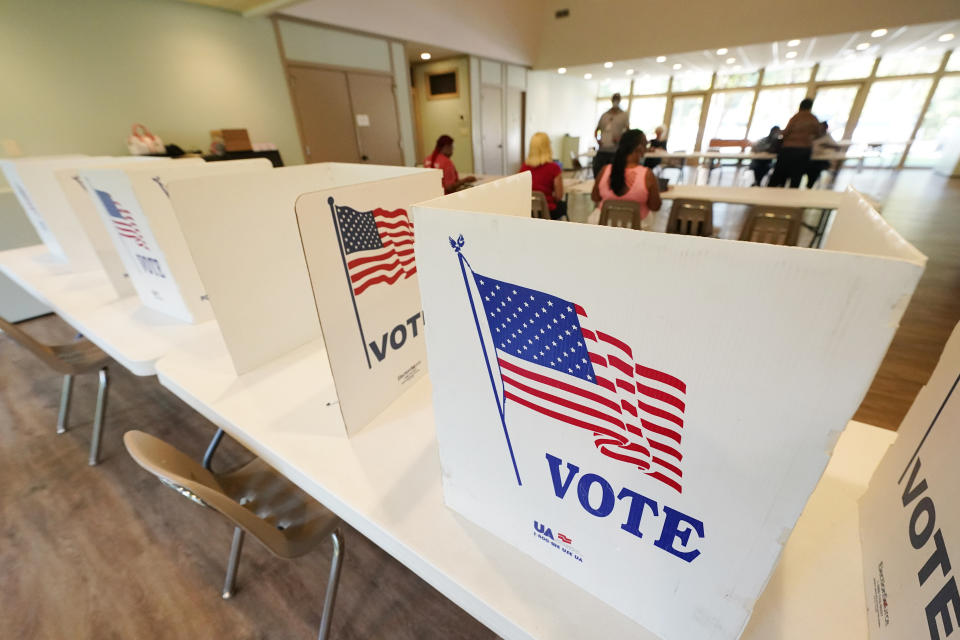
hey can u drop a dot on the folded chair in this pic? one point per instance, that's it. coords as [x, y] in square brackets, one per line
[255, 498]
[71, 359]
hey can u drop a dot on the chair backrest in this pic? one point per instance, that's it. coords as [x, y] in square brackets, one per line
[691, 217]
[538, 205]
[74, 358]
[719, 143]
[620, 213]
[773, 225]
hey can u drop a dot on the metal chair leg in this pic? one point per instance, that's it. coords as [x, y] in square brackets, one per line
[235, 548]
[332, 584]
[65, 394]
[98, 417]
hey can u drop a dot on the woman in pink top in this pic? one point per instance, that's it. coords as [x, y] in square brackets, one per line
[626, 178]
[440, 159]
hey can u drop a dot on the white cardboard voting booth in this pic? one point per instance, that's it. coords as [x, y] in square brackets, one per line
[358, 244]
[909, 520]
[135, 206]
[646, 413]
[257, 277]
[92, 232]
[36, 188]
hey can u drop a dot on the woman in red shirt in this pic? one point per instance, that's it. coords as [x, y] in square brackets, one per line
[546, 174]
[440, 159]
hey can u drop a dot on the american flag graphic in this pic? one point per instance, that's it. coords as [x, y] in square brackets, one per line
[377, 246]
[122, 220]
[553, 361]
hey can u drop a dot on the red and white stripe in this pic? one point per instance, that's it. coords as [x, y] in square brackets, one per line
[127, 227]
[635, 413]
[393, 261]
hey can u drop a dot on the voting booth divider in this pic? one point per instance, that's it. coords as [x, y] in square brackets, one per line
[909, 520]
[646, 413]
[92, 231]
[36, 188]
[276, 284]
[134, 204]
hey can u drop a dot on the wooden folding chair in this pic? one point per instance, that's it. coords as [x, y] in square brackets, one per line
[69, 360]
[538, 205]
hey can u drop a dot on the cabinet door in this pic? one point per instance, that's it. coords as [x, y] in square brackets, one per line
[322, 102]
[375, 118]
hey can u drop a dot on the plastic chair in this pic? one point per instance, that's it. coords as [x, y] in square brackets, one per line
[691, 217]
[773, 225]
[538, 205]
[71, 359]
[620, 213]
[257, 499]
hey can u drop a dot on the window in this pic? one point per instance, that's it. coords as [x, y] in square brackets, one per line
[443, 85]
[786, 75]
[685, 123]
[902, 64]
[888, 117]
[647, 113]
[647, 84]
[730, 80]
[774, 108]
[846, 69]
[728, 115]
[608, 87]
[953, 64]
[833, 104]
[692, 81]
[943, 117]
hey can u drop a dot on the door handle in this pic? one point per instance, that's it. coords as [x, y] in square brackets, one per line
[364, 158]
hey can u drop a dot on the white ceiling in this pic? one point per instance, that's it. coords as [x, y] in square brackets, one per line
[773, 54]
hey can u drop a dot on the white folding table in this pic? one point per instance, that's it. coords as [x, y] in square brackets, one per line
[385, 482]
[132, 334]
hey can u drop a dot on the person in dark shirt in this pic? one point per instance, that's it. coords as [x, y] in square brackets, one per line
[768, 144]
[794, 155]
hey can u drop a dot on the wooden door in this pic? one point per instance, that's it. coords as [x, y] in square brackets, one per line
[491, 129]
[375, 118]
[321, 99]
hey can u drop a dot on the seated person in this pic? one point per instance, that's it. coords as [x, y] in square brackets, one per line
[440, 159]
[769, 144]
[659, 142]
[546, 174]
[822, 146]
[626, 178]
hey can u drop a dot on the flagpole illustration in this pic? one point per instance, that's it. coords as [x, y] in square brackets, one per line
[457, 246]
[346, 270]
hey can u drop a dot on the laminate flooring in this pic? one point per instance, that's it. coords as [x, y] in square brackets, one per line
[108, 552]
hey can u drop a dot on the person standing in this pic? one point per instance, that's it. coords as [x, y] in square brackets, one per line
[546, 175]
[768, 144]
[611, 126]
[796, 148]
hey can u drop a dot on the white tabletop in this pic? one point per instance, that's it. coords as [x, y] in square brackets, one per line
[385, 482]
[132, 334]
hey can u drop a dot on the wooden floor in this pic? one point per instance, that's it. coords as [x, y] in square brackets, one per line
[108, 552]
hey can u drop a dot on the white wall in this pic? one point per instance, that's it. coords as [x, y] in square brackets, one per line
[598, 30]
[507, 30]
[559, 105]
